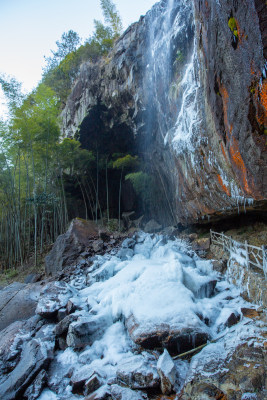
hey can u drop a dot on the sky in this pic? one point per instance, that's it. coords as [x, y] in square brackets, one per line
[30, 28]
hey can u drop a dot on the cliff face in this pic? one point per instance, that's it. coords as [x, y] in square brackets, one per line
[186, 88]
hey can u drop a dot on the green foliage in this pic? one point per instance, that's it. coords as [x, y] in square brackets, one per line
[12, 90]
[179, 56]
[233, 26]
[112, 17]
[127, 162]
[142, 184]
[72, 158]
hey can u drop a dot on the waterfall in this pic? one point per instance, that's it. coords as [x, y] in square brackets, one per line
[169, 39]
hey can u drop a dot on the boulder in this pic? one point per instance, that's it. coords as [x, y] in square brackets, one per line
[79, 377]
[32, 278]
[216, 374]
[122, 393]
[70, 245]
[35, 357]
[92, 384]
[101, 394]
[53, 297]
[250, 313]
[139, 372]
[34, 391]
[63, 326]
[152, 226]
[127, 218]
[167, 372]
[176, 339]
[85, 330]
[18, 302]
[201, 244]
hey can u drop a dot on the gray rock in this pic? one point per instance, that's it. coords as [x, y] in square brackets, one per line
[84, 331]
[152, 226]
[167, 372]
[70, 245]
[127, 218]
[139, 372]
[98, 246]
[18, 302]
[32, 278]
[123, 393]
[63, 326]
[35, 357]
[54, 296]
[34, 391]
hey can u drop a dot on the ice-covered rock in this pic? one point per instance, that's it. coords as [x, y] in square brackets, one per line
[167, 372]
[123, 393]
[63, 326]
[53, 297]
[34, 391]
[139, 372]
[85, 330]
[177, 339]
[80, 377]
[92, 384]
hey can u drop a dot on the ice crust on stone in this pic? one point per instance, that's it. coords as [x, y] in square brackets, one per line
[158, 285]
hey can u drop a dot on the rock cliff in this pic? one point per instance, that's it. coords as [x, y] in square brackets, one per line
[185, 87]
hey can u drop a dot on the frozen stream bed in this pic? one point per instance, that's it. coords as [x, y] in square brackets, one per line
[105, 330]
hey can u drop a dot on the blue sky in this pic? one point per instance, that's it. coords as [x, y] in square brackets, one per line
[30, 28]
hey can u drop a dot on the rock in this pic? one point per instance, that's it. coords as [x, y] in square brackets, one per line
[139, 372]
[170, 231]
[123, 393]
[92, 384]
[18, 302]
[85, 330]
[228, 376]
[63, 326]
[125, 254]
[98, 245]
[167, 372]
[79, 378]
[61, 314]
[152, 226]
[127, 218]
[250, 313]
[175, 339]
[202, 286]
[128, 243]
[101, 394]
[70, 245]
[53, 297]
[34, 391]
[35, 356]
[233, 319]
[201, 244]
[220, 265]
[138, 223]
[32, 278]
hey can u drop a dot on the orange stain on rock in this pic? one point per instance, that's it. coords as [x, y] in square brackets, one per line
[223, 151]
[225, 188]
[239, 164]
[263, 101]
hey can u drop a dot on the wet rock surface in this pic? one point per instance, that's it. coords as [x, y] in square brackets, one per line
[204, 142]
[18, 302]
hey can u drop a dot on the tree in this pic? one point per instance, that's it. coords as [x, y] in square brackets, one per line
[112, 17]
